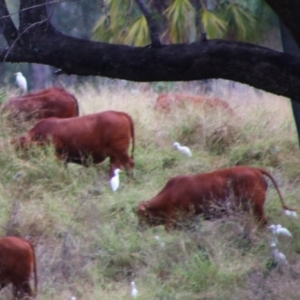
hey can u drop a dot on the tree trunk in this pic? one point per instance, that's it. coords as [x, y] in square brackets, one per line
[41, 76]
[289, 46]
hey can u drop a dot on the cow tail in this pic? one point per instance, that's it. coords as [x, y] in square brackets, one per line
[266, 173]
[34, 271]
[76, 104]
[132, 135]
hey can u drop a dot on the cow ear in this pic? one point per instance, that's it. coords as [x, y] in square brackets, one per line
[143, 207]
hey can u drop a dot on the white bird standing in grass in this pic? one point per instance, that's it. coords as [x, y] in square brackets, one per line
[21, 81]
[160, 242]
[279, 230]
[18, 175]
[185, 150]
[134, 291]
[273, 241]
[290, 213]
[279, 257]
[115, 181]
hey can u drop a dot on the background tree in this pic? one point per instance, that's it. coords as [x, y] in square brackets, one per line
[76, 18]
[235, 20]
[36, 40]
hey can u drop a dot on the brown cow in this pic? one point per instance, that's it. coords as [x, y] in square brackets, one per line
[17, 263]
[51, 102]
[165, 102]
[90, 138]
[237, 187]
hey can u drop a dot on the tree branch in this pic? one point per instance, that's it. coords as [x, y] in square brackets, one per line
[260, 67]
[31, 12]
[289, 12]
[153, 28]
[199, 25]
[7, 27]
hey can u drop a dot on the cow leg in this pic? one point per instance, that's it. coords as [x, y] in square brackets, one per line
[111, 171]
[114, 164]
[15, 291]
[62, 159]
[128, 163]
[22, 290]
[170, 222]
[169, 225]
[25, 292]
[258, 211]
[119, 160]
[3, 285]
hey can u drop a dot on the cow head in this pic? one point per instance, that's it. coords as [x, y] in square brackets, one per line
[143, 215]
[148, 216]
[21, 143]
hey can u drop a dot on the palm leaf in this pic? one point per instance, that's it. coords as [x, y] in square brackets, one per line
[118, 16]
[179, 15]
[138, 33]
[213, 24]
[242, 22]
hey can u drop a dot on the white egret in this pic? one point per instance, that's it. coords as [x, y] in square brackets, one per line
[273, 241]
[18, 175]
[290, 213]
[160, 242]
[21, 81]
[185, 150]
[115, 181]
[279, 257]
[279, 230]
[134, 291]
[283, 231]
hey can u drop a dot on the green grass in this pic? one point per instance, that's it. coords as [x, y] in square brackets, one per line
[86, 238]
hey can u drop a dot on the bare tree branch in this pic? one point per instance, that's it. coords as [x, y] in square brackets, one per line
[289, 12]
[160, 5]
[260, 67]
[104, 8]
[7, 27]
[153, 28]
[199, 25]
[33, 11]
[129, 11]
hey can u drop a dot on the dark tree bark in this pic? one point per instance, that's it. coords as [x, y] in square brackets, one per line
[289, 13]
[40, 75]
[289, 46]
[39, 42]
[153, 28]
[7, 27]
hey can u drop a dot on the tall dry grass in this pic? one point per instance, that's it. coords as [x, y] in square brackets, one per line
[86, 240]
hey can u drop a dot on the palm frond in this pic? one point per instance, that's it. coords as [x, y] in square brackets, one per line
[242, 22]
[179, 15]
[138, 33]
[214, 25]
[119, 17]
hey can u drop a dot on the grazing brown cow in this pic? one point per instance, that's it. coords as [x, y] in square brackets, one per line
[237, 187]
[90, 138]
[17, 263]
[165, 102]
[51, 102]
